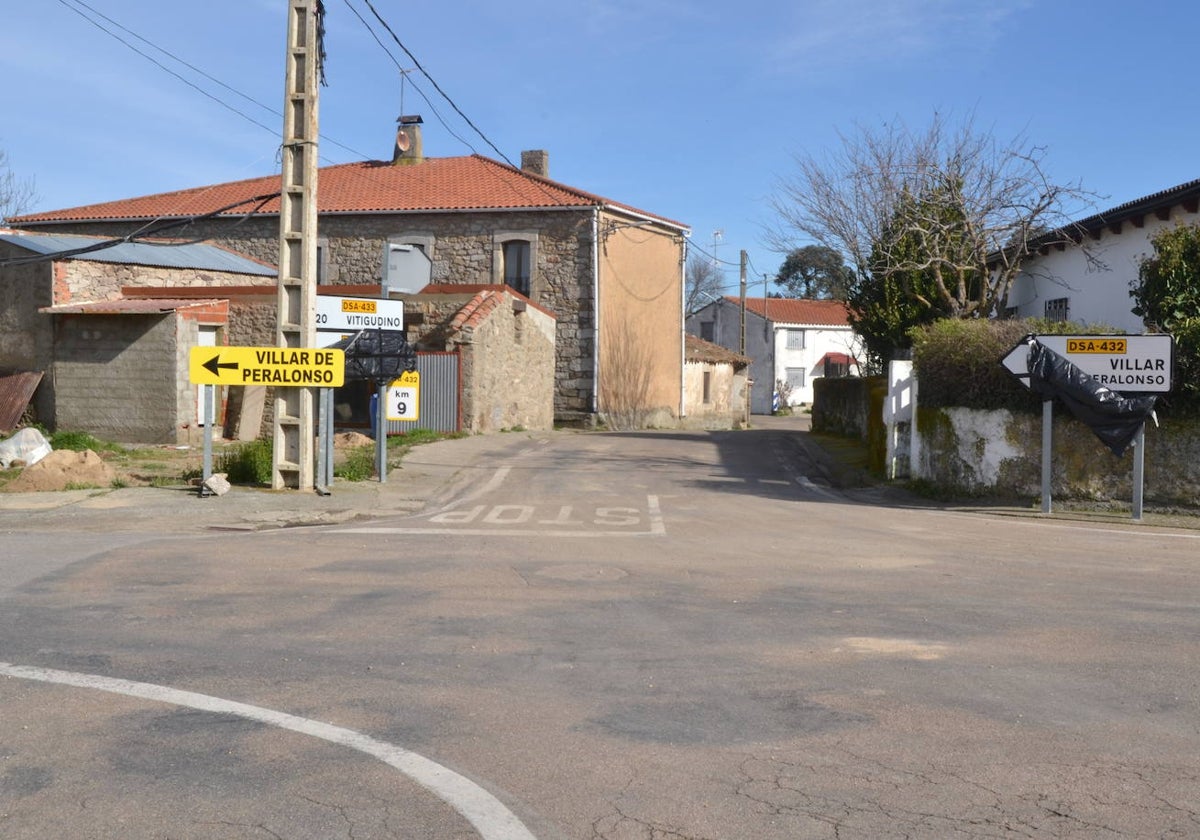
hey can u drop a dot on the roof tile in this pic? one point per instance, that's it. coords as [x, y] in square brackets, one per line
[457, 183]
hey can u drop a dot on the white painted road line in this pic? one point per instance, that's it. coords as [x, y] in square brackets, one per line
[485, 812]
[515, 515]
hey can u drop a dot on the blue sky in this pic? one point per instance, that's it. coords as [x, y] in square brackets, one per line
[691, 110]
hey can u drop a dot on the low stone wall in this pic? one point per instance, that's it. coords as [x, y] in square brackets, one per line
[999, 453]
[853, 407]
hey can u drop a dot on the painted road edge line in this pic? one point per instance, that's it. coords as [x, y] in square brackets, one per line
[484, 811]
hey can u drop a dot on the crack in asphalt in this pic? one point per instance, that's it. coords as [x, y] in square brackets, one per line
[854, 796]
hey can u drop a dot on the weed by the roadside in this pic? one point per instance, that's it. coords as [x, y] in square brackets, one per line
[358, 464]
[247, 463]
[81, 441]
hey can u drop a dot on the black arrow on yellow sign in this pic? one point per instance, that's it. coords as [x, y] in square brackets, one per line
[214, 365]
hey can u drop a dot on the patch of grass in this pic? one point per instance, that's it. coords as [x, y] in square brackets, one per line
[80, 441]
[81, 485]
[247, 463]
[357, 465]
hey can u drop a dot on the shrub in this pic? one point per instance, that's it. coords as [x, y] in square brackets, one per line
[957, 362]
[248, 463]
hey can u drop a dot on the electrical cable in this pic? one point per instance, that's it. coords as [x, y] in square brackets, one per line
[436, 86]
[193, 68]
[404, 73]
[149, 229]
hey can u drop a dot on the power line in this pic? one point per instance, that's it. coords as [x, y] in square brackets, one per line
[193, 68]
[151, 228]
[404, 74]
[436, 86]
[692, 244]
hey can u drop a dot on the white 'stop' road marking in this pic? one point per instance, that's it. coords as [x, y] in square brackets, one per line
[487, 814]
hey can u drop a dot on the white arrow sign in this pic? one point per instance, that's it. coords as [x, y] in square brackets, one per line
[1137, 364]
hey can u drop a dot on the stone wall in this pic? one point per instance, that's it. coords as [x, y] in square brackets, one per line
[998, 453]
[727, 405]
[463, 249]
[25, 335]
[508, 370]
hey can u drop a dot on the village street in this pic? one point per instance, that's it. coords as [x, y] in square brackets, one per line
[655, 635]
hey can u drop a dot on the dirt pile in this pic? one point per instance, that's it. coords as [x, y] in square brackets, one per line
[62, 469]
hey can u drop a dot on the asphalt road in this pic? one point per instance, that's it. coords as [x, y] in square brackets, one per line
[658, 636]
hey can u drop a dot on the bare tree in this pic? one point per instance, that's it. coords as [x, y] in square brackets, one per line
[703, 281]
[17, 195]
[949, 205]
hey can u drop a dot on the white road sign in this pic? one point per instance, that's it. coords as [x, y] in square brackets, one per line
[1135, 364]
[351, 314]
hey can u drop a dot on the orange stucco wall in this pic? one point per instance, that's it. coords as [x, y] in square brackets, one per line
[640, 326]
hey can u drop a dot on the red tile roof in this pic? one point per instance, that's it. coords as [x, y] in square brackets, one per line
[821, 313]
[457, 183]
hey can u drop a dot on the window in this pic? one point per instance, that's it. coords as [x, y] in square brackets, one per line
[516, 265]
[1058, 309]
[707, 330]
[795, 339]
[707, 387]
[795, 378]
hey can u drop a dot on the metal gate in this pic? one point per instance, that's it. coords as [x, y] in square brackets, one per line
[439, 401]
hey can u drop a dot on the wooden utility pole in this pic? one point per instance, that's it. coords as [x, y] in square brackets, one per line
[292, 464]
[742, 273]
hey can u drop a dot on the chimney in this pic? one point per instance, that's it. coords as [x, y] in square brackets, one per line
[536, 162]
[408, 141]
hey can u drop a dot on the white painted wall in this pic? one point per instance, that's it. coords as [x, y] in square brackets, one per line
[1096, 296]
[817, 342]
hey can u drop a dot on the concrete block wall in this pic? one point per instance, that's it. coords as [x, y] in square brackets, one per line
[136, 399]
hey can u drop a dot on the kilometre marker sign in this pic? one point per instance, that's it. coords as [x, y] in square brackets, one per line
[296, 367]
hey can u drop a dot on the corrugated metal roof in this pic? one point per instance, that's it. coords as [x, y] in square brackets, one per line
[197, 255]
[16, 390]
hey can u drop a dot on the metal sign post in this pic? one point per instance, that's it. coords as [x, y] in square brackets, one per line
[381, 433]
[208, 443]
[1047, 460]
[1124, 364]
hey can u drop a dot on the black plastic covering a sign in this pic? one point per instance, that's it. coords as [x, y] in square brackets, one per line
[1114, 418]
[381, 355]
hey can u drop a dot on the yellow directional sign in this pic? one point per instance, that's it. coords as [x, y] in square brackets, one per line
[295, 367]
[404, 397]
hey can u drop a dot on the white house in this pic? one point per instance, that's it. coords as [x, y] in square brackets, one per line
[1090, 281]
[789, 340]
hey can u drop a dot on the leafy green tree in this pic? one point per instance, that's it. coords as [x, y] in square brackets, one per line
[814, 271]
[1167, 297]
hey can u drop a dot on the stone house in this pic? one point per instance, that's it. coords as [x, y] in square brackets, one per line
[788, 339]
[611, 274]
[716, 386]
